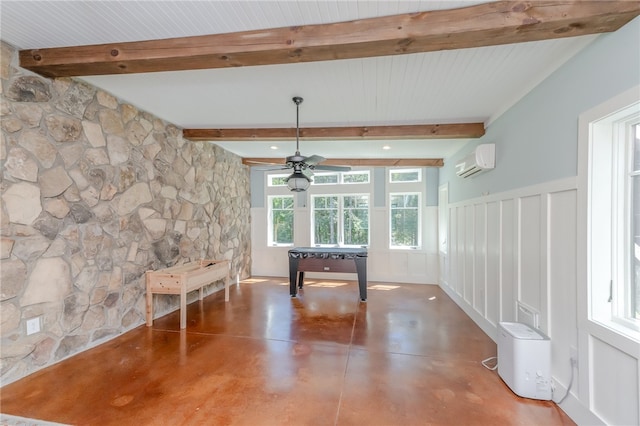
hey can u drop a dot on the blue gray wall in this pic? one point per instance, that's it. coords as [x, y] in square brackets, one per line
[537, 139]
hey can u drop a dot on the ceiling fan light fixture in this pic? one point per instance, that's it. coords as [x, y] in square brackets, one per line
[298, 182]
[302, 166]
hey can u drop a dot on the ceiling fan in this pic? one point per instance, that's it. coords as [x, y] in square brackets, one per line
[303, 166]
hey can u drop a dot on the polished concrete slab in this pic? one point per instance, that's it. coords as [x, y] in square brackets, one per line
[407, 356]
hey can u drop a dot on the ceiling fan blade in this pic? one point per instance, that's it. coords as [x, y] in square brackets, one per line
[313, 160]
[274, 167]
[333, 168]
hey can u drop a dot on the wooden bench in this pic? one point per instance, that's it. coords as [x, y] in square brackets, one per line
[181, 279]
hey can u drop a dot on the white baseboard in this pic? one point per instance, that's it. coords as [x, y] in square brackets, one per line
[486, 326]
[574, 408]
[571, 405]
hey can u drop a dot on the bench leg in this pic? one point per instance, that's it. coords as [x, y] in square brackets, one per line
[183, 307]
[149, 303]
[226, 289]
[226, 284]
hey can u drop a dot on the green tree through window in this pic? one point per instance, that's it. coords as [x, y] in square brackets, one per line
[356, 220]
[325, 215]
[281, 220]
[405, 175]
[341, 220]
[405, 214]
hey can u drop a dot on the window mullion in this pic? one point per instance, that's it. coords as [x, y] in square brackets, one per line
[340, 219]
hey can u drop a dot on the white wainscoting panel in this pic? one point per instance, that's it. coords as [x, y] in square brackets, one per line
[507, 251]
[530, 233]
[521, 247]
[450, 274]
[503, 252]
[562, 280]
[615, 384]
[458, 260]
[493, 263]
[469, 254]
[479, 259]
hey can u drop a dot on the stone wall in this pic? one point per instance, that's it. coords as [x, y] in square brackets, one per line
[94, 193]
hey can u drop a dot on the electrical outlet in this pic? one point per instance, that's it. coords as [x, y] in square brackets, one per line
[33, 325]
[573, 354]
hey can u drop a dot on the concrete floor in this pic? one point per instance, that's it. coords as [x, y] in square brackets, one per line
[407, 356]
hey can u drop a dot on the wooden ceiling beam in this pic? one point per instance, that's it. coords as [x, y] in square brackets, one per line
[355, 162]
[422, 131]
[487, 24]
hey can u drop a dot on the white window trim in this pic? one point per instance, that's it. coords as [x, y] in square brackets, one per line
[404, 170]
[270, 242]
[340, 218]
[340, 178]
[337, 174]
[420, 219]
[621, 205]
[592, 224]
[271, 176]
[354, 172]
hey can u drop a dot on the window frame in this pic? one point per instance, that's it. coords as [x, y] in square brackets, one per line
[270, 216]
[622, 207]
[356, 172]
[340, 216]
[316, 175]
[272, 176]
[419, 216]
[603, 169]
[340, 177]
[393, 170]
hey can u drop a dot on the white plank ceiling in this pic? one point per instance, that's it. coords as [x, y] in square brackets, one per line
[468, 85]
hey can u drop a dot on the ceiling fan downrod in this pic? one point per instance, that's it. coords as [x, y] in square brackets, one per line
[297, 182]
[297, 100]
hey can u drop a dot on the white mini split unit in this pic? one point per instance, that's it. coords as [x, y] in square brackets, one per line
[482, 158]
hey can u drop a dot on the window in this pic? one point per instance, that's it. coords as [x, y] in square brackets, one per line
[337, 209]
[405, 175]
[340, 220]
[405, 220]
[632, 310]
[359, 176]
[281, 220]
[277, 180]
[325, 219]
[629, 296]
[614, 215]
[355, 220]
[325, 178]
[356, 177]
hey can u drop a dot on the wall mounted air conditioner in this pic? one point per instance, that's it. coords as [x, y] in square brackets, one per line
[482, 158]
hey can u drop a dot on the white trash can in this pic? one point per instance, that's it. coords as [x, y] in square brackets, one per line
[524, 360]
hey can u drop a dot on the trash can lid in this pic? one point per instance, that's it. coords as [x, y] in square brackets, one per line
[522, 331]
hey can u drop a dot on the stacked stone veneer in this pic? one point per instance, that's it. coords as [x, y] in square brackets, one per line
[95, 192]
